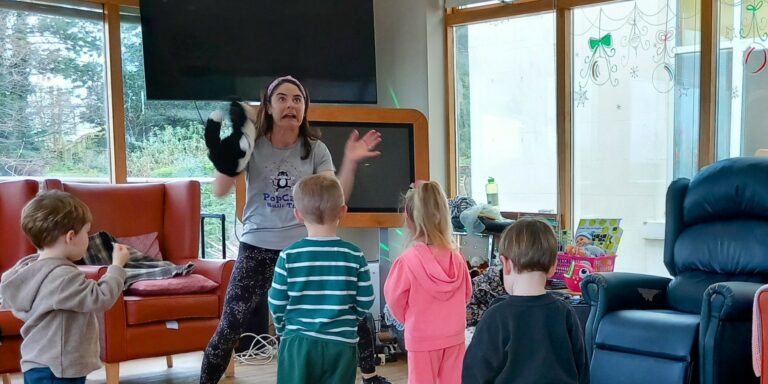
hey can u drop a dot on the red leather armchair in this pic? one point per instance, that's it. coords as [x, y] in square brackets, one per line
[762, 312]
[151, 326]
[14, 245]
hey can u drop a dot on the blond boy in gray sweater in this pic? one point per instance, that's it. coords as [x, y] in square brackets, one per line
[57, 303]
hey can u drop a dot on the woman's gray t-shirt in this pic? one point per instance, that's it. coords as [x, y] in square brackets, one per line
[268, 218]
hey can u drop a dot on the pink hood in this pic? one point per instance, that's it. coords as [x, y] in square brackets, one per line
[428, 289]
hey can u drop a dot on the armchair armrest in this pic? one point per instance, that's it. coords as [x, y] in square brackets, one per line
[93, 272]
[729, 301]
[615, 291]
[112, 320]
[219, 271]
[215, 270]
[725, 331]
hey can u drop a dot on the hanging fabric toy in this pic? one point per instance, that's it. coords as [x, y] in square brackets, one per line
[230, 155]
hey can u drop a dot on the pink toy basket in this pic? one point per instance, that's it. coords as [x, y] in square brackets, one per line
[599, 264]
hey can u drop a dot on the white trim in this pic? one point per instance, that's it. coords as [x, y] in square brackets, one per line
[325, 320]
[309, 306]
[321, 278]
[277, 302]
[331, 337]
[322, 263]
[323, 249]
[461, 3]
[321, 293]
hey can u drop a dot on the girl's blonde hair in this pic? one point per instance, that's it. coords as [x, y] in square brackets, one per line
[427, 207]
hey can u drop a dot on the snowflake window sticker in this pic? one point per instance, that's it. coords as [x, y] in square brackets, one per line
[580, 97]
[755, 57]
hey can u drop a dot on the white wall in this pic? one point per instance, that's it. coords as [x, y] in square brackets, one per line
[410, 51]
[410, 54]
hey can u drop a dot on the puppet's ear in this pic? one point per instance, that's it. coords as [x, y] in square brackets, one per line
[251, 111]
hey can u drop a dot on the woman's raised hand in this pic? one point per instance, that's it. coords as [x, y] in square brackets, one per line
[358, 148]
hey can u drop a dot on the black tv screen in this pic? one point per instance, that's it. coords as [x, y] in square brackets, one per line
[382, 181]
[214, 50]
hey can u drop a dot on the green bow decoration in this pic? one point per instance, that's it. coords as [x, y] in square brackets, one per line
[754, 7]
[606, 41]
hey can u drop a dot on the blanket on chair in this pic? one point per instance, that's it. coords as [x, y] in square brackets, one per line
[139, 267]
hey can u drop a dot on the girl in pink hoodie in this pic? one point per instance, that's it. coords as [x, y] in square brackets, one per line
[428, 289]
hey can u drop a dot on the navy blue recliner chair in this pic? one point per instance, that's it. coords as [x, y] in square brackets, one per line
[695, 327]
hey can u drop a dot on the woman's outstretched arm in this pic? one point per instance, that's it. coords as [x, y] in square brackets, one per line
[356, 150]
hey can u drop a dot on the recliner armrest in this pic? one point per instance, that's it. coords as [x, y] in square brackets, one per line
[730, 300]
[725, 333]
[613, 291]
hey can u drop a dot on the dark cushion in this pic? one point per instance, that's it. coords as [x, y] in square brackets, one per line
[611, 367]
[728, 189]
[659, 333]
[674, 223]
[735, 246]
[686, 291]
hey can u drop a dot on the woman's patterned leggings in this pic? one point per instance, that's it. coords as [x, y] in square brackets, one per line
[251, 280]
[366, 358]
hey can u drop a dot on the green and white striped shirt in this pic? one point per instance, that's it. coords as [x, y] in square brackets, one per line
[321, 288]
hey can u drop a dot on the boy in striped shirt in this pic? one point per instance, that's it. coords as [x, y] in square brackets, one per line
[320, 290]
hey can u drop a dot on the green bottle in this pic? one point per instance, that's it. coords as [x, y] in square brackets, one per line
[492, 192]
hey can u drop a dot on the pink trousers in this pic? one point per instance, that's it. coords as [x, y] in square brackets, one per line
[442, 366]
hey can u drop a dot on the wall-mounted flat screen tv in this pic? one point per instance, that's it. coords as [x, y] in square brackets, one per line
[214, 50]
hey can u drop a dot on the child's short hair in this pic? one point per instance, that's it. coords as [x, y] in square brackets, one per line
[319, 198]
[530, 244]
[52, 214]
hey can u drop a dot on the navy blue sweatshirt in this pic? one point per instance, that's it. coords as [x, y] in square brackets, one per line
[527, 339]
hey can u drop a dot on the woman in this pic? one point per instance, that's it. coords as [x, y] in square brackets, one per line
[286, 149]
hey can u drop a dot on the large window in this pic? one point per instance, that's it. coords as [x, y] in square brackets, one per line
[635, 110]
[52, 90]
[164, 139]
[505, 111]
[742, 79]
[631, 121]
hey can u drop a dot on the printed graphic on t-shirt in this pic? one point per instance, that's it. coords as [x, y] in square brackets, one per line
[282, 183]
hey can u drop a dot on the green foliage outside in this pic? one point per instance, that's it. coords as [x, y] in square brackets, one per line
[463, 132]
[53, 110]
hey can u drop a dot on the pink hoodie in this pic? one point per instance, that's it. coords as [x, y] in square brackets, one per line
[428, 289]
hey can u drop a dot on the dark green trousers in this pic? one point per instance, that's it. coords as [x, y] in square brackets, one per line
[308, 360]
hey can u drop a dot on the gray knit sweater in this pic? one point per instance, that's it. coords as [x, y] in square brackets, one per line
[58, 305]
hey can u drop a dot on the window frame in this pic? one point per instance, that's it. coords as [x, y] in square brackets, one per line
[111, 11]
[563, 18]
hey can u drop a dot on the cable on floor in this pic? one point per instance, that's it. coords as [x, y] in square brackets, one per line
[263, 350]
